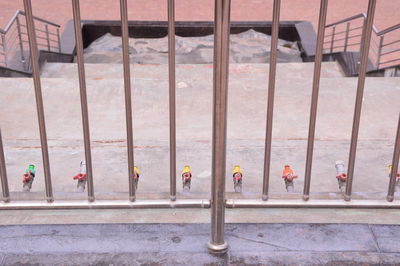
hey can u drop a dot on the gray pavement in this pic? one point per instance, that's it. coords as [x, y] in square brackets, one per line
[185, 244]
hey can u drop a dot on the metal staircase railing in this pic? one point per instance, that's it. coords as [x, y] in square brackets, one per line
[14, 47]
[347, 35]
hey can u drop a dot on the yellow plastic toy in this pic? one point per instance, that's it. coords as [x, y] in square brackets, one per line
[389, 169]
[136, 169]
[186, 169]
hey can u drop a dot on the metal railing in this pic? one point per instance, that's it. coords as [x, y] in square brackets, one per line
[218, 202]
[14, 51]
[347, 35]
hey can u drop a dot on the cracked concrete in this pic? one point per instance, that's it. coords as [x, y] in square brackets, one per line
[185, 244]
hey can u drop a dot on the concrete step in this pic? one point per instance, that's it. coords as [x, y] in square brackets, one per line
[105, 71]
[267, 215]
[246, 129]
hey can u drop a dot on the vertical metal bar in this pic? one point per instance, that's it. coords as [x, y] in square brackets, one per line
[39, 100]
[3, 40]
[58, 40]
[314, 97]
[128, 97]
[360, 91]
[271, 92]
[346, 40]
[47, 37]
[3, 173]
[21, 45]
[220, 84]
[333, 38]
[83, 94]
[172, 115]
[395, 165]
[378, 60]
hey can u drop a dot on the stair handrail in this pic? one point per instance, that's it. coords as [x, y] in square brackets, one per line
[21, 12]
[361, 15]
[389, 29]
[378, 51]
[9, 48]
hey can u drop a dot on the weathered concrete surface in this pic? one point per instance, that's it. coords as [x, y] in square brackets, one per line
[246, 129]
[267, 215]
[246, 47]
[179, 244]
[113, 71]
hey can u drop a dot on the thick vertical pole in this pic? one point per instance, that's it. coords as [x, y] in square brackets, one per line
[47, 37]
[220, 80]
[271, 92]
[21, 44]
[395, 165]
[346, 40]
[39, 100]
[314, 97]
[3, 173]
[360, 91]
[128, 97]
[83, 94]
[172, 116]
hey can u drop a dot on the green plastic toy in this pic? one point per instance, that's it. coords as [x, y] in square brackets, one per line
[31, 168]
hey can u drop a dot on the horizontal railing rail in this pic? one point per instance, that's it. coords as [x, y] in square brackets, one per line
[361, 15]
[20, 12]
[392, 28]
[218, 201]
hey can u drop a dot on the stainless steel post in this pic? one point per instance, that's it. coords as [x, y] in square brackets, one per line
[314, 97]
[395, 165]
[128, 97]
[83, 94]
[378, 60]
[346, 40]
[58, 40]
[21, 44]
[3, 173]
[47, 37]
[39, 100]
[172, 115]
[271, 92]
[360, 91]
[3, 40]
[333, 38]
[220, 80]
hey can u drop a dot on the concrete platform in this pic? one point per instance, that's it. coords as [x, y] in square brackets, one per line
[246, 129]
[185, 244]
